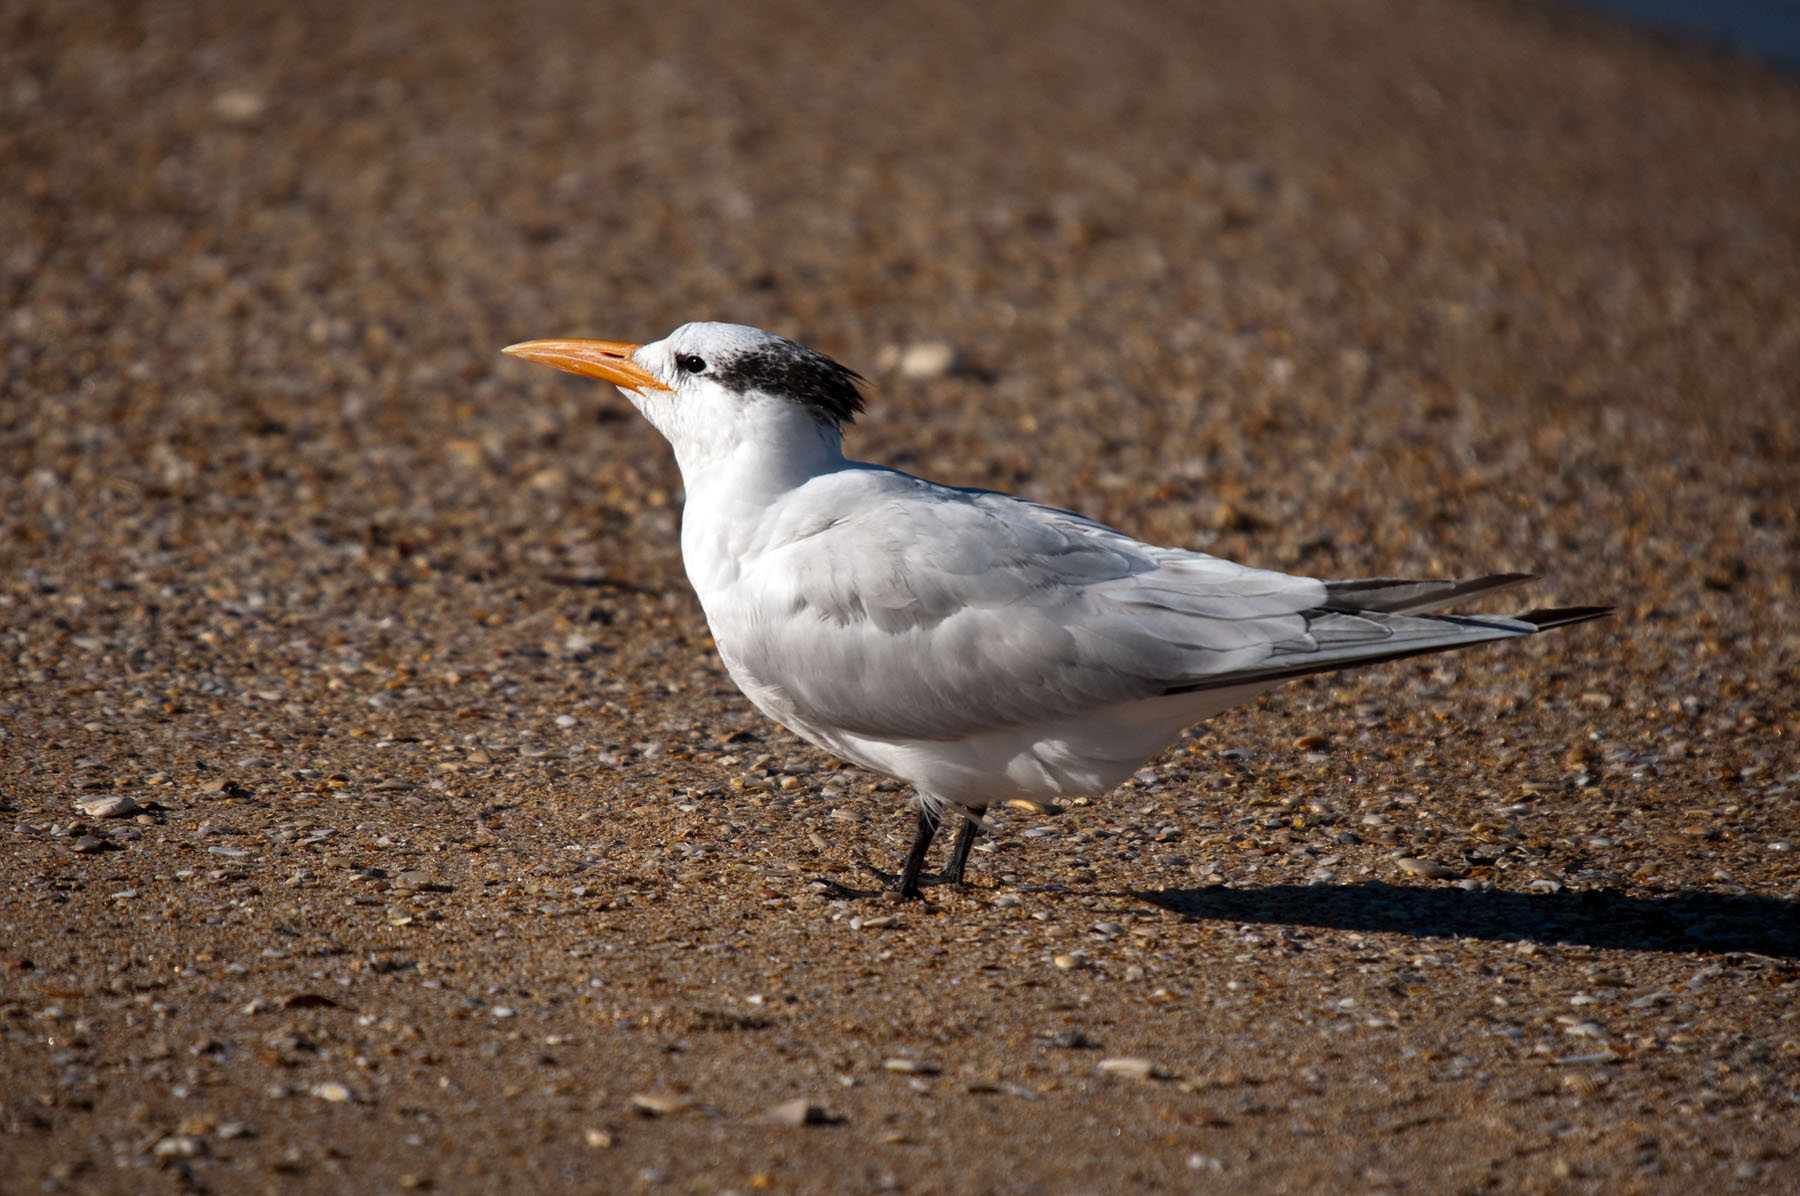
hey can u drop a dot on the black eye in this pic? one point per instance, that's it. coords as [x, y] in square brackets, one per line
[690, 363]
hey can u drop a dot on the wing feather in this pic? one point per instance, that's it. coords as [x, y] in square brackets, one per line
[924, 612]
[921, 612]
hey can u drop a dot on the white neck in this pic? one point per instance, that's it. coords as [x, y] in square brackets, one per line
[779, 448]
[736, 473]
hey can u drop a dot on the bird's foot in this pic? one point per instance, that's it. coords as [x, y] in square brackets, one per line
[832, 888]
[889, 886]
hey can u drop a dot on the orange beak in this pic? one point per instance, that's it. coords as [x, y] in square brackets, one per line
[609, 361]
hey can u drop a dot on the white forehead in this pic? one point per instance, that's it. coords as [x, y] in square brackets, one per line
[729, 340]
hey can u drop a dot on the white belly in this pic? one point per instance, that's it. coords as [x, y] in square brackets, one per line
[1086, 754]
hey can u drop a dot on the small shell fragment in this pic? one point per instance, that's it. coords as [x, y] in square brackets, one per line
[1044, 808]
[1133, 1066]
[882, 922]
[112, 805]
[796, 1112]
[660, 1104]
[1429, 869]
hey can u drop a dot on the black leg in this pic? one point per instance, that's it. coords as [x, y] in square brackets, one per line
[959, 855]
[915, 859]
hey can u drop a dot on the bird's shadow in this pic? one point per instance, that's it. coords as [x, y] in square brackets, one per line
[1682, 922]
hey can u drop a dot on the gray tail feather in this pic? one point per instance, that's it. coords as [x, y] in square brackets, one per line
[1462, 631]
[1409, 596]
[1563, 616]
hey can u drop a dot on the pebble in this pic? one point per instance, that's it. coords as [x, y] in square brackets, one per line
[925, 360]
[333, 1092]
[179, 1146]
[883, 922]
[1585, 1083]
[911, 1067]
[599, 1139]
[87, 845]
[1132, 1066]
[799, 1111]
[238, 107]
[1583, 1060]
[660, 1104]
[113, 805]
[1426, 868]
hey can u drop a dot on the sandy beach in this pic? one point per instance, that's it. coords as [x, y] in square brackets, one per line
[378, 817]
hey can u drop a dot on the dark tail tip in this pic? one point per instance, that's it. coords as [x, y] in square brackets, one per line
[1563, 616]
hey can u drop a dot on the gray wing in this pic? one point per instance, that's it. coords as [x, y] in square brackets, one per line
[923, 612]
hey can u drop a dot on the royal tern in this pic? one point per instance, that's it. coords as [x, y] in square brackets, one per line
[983, 648]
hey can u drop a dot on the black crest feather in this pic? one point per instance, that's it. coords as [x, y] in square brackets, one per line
[829, 390]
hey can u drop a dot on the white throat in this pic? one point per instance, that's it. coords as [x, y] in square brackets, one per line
[765, 447]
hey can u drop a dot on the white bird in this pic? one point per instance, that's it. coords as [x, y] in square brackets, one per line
[983, 648]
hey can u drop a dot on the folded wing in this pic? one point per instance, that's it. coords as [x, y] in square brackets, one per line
[929, 613]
